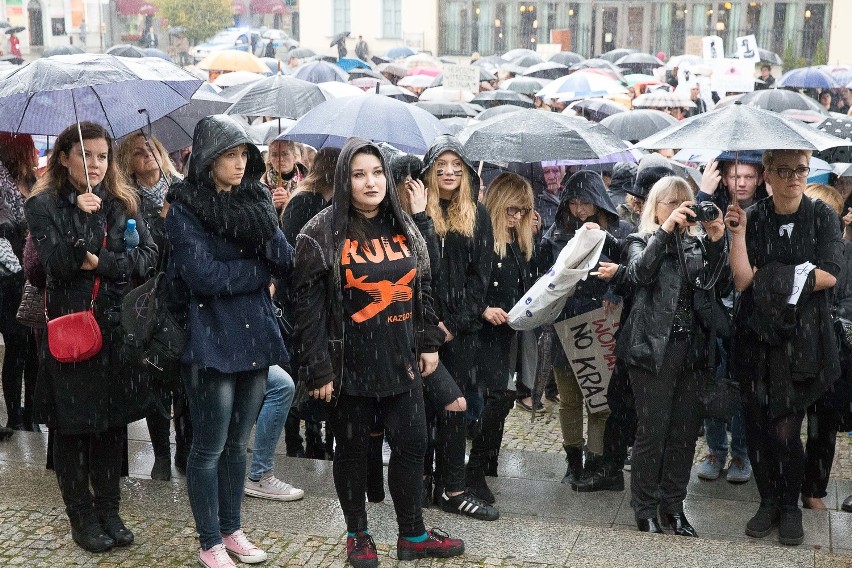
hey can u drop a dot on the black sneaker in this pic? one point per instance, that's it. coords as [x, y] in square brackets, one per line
[790, 530]
[466, 503]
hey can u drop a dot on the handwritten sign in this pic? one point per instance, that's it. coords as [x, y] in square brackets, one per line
[461, 77]
[714, 48]
[589, 343]
[747, 48]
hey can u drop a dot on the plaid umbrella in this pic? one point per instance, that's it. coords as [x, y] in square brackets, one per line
[662, 99]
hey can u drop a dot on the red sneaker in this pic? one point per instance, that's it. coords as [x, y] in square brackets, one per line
[361, 551]
[437, 545]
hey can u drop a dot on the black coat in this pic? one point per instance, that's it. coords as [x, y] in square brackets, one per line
[100, 393]
[654, 271]
[301, 208]
[511, 276]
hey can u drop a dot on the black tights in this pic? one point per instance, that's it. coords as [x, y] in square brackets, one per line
[823, 422]
[776, 454]
[486, 444]
[20, 366]
[81, 460]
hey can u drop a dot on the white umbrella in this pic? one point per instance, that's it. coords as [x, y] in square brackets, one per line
[336, 89]
[237, 78]
[444, 94]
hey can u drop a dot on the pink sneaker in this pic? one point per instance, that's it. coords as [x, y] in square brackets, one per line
[215, 557]
[238, 545]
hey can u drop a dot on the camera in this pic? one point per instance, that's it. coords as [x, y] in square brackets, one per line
[704, 211]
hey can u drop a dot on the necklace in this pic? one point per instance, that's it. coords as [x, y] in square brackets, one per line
[366, 211]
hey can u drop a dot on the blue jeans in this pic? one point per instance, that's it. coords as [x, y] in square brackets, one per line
[717, 436]
[270, 422]
[223, 407]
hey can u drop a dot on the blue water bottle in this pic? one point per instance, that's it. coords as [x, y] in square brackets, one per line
[131, 235]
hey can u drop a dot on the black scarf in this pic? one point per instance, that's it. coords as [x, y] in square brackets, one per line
[244, 214]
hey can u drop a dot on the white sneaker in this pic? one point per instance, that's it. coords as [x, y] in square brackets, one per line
[270, 487]
[386, 453]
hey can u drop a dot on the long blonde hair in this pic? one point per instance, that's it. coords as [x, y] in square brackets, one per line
[56, 175]
[510, 190]
[668, 187]
[461, 214]
[124, 156]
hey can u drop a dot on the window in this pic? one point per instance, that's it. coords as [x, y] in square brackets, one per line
[392, 18]
[57, 26]
[342, 19]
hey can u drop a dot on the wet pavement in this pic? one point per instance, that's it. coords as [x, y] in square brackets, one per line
[543, 523]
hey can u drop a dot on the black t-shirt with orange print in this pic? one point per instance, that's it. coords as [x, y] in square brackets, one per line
[378, 277]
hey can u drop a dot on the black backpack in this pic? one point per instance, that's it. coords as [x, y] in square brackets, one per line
[153, 338]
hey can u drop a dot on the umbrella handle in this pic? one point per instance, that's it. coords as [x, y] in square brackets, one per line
[147, 138]
[734, 199]
[82, 148]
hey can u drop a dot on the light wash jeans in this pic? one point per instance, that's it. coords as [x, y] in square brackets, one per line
[270, 422]
[223, 407]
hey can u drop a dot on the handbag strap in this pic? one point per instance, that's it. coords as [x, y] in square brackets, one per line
[717, 270]
[95, 289]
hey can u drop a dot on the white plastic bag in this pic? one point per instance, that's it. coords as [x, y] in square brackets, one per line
[544, 301]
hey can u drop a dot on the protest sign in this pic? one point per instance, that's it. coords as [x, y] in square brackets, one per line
[461, 77]
[714, 48]
[589, 343]
[732, 76]
[747, 48]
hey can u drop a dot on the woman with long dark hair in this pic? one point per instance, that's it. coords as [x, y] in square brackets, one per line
[367, 337]
[77, 215]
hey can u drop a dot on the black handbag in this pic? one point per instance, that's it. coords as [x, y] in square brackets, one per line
[31, 311]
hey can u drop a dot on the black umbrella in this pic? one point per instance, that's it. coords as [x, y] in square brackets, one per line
[338, 38]
[615, 54]
[840, 126]
[125, 50]
[524, 85]
[778, 100]
[302, 53]
[566, 58]
[499, 97]
[496, 111]
[4, 25]
[15, 30]
[638, 123]
[640, 63]
[360, 72]
[741, 127]
[547, 70]
[62, 50]
[447, 109]
[281, 96]
[597, 109]
[527, 61]
[598, 64]
[770, 57]
[528, 135]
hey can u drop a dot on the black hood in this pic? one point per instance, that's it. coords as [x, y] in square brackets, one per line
[587, 186]
[341, 201]
[212, 137]
[646, 179]
[449, 143]
[623, 177]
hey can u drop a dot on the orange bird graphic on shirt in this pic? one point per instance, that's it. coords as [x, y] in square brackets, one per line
[383, 293]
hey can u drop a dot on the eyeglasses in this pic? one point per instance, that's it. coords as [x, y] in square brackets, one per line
[513, 211]
[787, 173]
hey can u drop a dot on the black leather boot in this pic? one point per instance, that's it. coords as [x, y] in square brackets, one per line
[605, 477]
[114, 527]
[680, 524]
[574, 459]
[88, 533]
[650, 525]
[162, 468]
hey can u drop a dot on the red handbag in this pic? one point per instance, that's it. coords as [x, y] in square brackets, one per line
[75, 337]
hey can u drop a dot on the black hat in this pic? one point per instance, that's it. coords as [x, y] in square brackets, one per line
[646, 179]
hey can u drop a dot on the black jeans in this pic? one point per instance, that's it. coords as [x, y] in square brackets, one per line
[20, 368]
[668, 411]
[776, 453]
[445, 429]
[82, 460]
[620, 429]
[823, 422]
[404, 419]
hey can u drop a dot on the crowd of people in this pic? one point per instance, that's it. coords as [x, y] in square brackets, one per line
[365, 293]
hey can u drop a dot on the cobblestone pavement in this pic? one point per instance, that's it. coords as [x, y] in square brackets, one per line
[41, 539]
[543, 435]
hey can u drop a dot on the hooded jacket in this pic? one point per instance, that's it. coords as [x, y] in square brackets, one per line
[318, 293]
[221, 281]
[623, 178]
[589, 187]
[465, 261]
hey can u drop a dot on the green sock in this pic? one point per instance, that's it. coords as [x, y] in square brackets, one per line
[420, 538]
[352, 534]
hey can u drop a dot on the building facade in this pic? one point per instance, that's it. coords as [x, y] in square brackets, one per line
[594, 27]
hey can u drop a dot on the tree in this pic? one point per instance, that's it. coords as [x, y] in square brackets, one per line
[791, 60]
[820, 53]
[200, 18]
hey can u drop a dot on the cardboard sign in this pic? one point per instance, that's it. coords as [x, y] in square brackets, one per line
[732, 76]
[747, 48]
[461, 77]
[589, 343]
[694, 46]
[714, 48]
